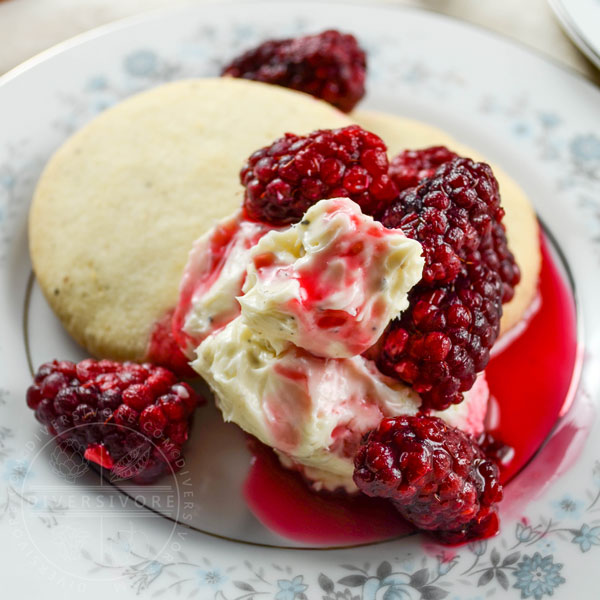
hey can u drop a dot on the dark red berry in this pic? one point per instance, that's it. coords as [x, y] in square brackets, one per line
[451, 214]
[177, 433]
[66, 399]
[329, 65]
[83, 414]
[410, 167]
[161, 380]
[126, 416]
[165, 351]
[110, 399]
[34, 396]
[444, 338]
[44, 412]
[285, 179]
[436, 475]
[153, 421]
[495, 449]
[138, 396]
[173, 406]
[89, 368]
[111, 412]
[52, 384]
[187, 396]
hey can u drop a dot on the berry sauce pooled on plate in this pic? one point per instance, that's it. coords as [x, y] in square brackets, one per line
[344, 318]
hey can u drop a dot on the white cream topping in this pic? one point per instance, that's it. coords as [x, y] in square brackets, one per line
[331, 283]
[213, 277]
[312, 410]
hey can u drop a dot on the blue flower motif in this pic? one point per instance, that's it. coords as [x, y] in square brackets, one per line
[244, 32]
[549, 119]
[153, 568]
[213, 578]
[290, 590]
[7, 179]
[568, 507]
[407, 563]
[142, 63]
[521, 129]
[587, 537]
[445, 564]
[143, 576]
[101, 105]
[193, 50]
[16, 470]
[478, 547]
[524, 532]
[97, 83]
[538, 576]
[586, 147]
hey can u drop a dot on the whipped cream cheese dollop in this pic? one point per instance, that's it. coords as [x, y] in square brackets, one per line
[331, 283]
[289, 368]
[312, 410]
[213, 277]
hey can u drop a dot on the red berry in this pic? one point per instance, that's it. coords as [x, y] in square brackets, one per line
[173, 406]
[329, 65]
[89, 368]
[66, 400]
[83, 415]
[161, 380]
[44, 370]
[126, 416]
[410, 167]
[45, 412]
[109, 410]
[178, 432]
[153, 421]
[138, 396]
[110, 399]
[285, 179]
[188, 396]
[437, 477]
[34, 396]
[444, 338]
[495, 449]
[52, 384]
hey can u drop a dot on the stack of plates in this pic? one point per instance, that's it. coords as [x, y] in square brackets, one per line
[581, 21]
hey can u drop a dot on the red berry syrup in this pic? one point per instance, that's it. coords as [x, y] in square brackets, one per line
[532, 384]
[532, 379]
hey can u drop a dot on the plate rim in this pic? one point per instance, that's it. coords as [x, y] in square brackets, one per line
[574, 33]
[155, 13]
[110, 27]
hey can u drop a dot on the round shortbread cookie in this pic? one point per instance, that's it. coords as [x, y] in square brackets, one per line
[522, 229]
[120, 203]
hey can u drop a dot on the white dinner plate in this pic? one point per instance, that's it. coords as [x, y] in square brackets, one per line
[581, 21]
[63, 531]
